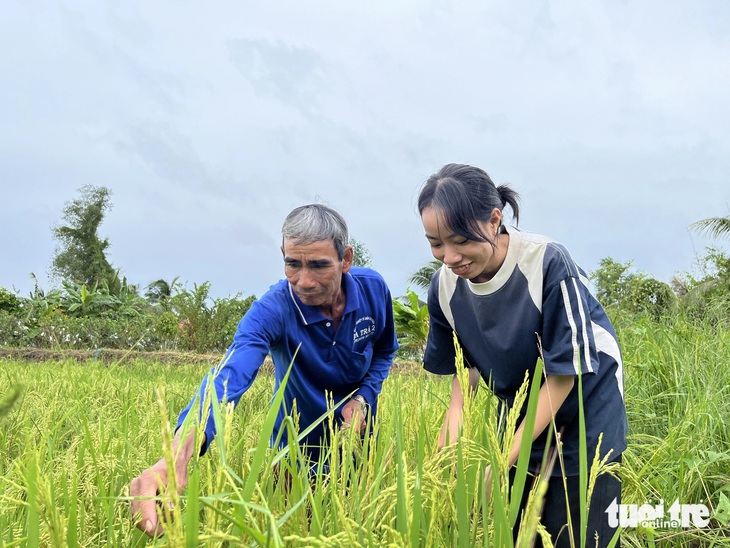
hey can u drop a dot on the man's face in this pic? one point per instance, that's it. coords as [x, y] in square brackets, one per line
[314, 271]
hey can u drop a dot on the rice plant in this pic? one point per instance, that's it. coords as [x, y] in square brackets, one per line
[76, 434]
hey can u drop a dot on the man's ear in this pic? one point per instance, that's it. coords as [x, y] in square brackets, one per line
[347, 258]
[283, 254]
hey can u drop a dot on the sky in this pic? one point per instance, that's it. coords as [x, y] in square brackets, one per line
[210, 121]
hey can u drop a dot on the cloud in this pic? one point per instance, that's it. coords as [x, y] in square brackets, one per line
[294, 75]
[211, 122]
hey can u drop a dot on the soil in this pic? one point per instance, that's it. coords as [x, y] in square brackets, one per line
[109, 356]
[106, 356]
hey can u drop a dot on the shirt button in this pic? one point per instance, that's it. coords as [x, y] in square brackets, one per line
[328, 324]
[334, 343]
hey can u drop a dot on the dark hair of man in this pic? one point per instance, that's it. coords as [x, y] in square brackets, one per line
[316, 223]
[465, 196]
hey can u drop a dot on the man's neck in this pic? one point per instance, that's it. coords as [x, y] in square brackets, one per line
[336, 309]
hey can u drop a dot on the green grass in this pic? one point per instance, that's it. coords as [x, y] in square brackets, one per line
[78, 433]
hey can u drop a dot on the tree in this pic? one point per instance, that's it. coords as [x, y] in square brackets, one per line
[612, 281]
[711, 289]
[616, 286]
[160, 291]
[361, 255]
[80, 257]
[422, 277]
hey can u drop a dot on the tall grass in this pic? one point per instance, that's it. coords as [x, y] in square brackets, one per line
[678, 403]
[80, 432]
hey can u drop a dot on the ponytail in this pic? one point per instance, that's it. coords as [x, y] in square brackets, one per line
[512, 199]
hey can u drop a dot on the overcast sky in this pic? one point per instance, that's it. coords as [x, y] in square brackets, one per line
[210, 121]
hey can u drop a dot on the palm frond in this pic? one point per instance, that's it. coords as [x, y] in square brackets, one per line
[422, 277]
[715, 227]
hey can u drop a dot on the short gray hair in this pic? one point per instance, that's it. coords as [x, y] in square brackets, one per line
[316, 223]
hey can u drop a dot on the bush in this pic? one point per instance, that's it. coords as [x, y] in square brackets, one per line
[706, 298]
[11, 330]
[207, 324]
[411, 325]
[9, 302]
[59, 331]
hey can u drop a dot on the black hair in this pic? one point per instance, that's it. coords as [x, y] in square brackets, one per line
[465, 196]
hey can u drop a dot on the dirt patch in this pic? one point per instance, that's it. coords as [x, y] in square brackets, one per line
[106, 356]
[109, 356]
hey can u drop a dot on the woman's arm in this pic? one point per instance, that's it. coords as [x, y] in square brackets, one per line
[553, 393]
[454, 415]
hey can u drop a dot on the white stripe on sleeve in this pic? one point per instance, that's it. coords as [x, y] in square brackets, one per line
[586, 341]
[573, 328]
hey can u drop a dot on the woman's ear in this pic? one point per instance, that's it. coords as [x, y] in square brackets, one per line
[496, 218]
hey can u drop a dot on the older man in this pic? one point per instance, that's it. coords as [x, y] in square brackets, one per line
[334, 320]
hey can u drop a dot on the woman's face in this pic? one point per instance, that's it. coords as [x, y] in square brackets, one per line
[469, 259]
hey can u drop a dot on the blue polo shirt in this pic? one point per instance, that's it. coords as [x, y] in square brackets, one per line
[329, 365]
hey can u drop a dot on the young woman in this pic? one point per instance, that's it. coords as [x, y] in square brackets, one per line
[509, 295]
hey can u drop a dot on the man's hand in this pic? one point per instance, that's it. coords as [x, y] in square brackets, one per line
[353, 415]
[144, 509]
[152, 481]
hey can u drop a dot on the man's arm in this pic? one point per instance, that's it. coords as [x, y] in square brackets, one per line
[256, 332]
[232, 377]
[371, 384]
[383, 355]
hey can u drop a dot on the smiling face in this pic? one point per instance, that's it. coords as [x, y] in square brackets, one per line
[471, 259]
[315, 272]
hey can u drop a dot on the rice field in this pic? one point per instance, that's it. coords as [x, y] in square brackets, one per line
[77, 433]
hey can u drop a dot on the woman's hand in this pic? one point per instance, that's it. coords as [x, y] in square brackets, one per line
[454, 419]
[452, 426]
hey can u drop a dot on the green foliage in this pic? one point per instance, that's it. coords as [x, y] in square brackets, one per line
[160, 291]
[651, 296]
[9, 302]
[8, 401]
[39, 303]
[611, 281]
[411, 324]
[706, 296]
[90, 317]
[81, 255]
[422, 277]
[195, 312]
[167, 325]
[207, 324]
[57, 330]
[715, 279]
[10, 328]
[715, 227]
[361, 254]
[80, 302]
[677, 395]
[85, 430]
[227, 313]
[617, 287]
